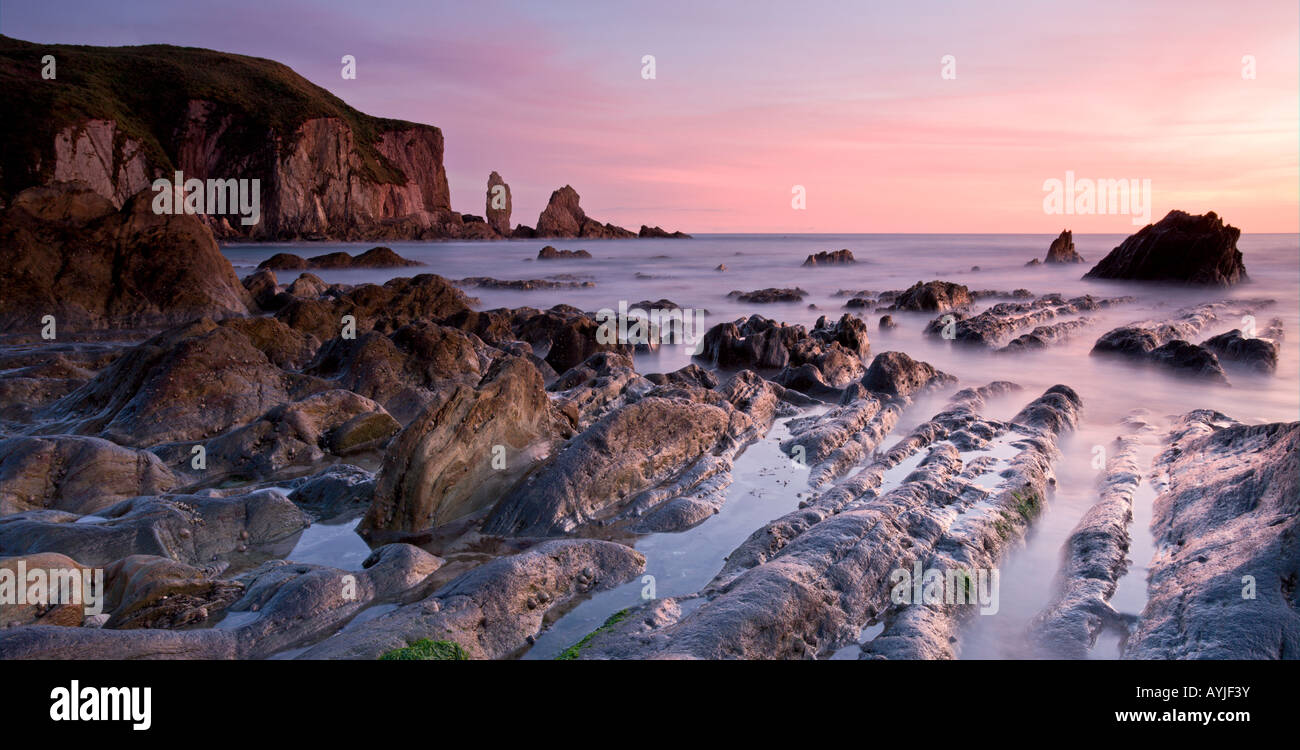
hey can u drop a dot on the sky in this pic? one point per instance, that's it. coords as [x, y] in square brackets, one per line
[922, 116]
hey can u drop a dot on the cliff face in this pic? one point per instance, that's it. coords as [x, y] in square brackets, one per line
[117, 118]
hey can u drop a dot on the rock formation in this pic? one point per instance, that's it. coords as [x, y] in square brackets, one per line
[1179, 248]
[498, 205]
[1062, 250]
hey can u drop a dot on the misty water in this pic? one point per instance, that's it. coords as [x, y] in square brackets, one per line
[765, 482]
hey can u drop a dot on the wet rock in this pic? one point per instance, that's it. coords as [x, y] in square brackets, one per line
[465, 451]
[524, 285]
[147, 591]
[550, 253]
[1182, 248]
[1186, 358]
[307, 285]
[70, 254]
[1043, 337]
[398, 302]
[334, 492]
[1257, 353]
[265, 290]
[603, 381]
[887, 322]
[492, 610]
[564, 337]
[769, 296]
[76, 474]
[933, 296]
[1225, 520]
[193, 529]
[896, 374]
[996, 324]
[637, 446]
[836, 258]
[1062, 250]
[1095, 557]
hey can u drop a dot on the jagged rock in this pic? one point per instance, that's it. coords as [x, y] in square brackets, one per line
[384, 308]
[836, 258]
[999, 322]
[375, 257]
[70, 254]
[896, 374]
[465, 451]
[1225, 523]
[656, 232]
[76, 474]
[1180, 247]
[563, 217]
[1062, 250]
[933, 296]
[563, 337]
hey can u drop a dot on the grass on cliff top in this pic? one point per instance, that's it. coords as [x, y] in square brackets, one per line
[573, 651]
[147, 90]
[427, 650]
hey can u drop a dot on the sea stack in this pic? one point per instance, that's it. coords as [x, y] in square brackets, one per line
[498, 205]
[1062, 250]
[1181, 248]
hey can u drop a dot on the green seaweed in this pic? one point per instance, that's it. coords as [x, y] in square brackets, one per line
[572, 652]
[427, 650]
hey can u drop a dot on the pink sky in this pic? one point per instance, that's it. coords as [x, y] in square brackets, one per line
[843, 98]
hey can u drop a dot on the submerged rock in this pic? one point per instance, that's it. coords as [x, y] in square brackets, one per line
[1179, 248]
[1258, 353]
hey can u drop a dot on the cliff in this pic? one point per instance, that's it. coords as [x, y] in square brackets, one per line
[116, 118]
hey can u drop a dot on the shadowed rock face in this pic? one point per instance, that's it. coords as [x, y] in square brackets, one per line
[1062, 250]
[1179, 248]
[1230, 509]
[836, 258]
[68, 253]
[375, 257]
[896, 374]
[1258, 353]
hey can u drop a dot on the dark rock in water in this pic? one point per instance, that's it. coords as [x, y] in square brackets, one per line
[721, 267]
[858, 303]
[834, 350]
[656, 232]
[498, 204]
[564, 337]
[194, 529]
[487, 282]
[836, 258]
[770, 295]
[887, 322]
[1226, 523]
[523, 232]
[563, 217]
[1062, 250]
[1189, 359]
[68, 253]
[375, 257]
[550, 253]
[76, 474]
[1034, 262]
[1178, 248]
[466, 450]
[1258, 353]
[896, 374]
[335, 491]
[933, 296]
